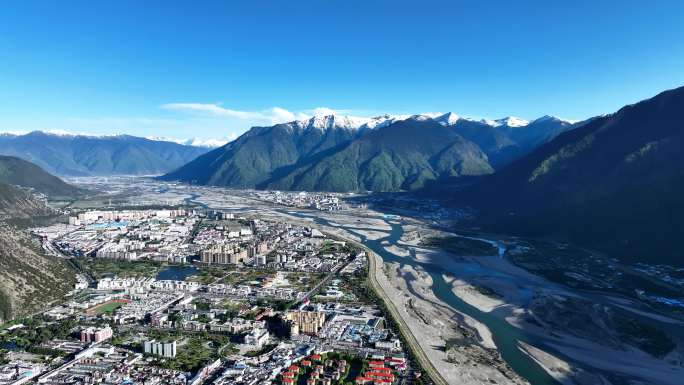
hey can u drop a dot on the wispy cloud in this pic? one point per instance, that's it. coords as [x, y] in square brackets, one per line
[272, 115]
[196, 123]
[210, 109]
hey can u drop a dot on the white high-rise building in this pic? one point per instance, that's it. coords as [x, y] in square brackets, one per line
[164, 349]
[257, 337]
[260, 260]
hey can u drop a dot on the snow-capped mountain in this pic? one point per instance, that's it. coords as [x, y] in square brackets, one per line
[68, 154]
[206, 143]
[451, 119]
[196, 142]
[327, 122]
[61, 152]
[60, 133]
[448, 119]
[505, 139]
[511, 121]
[334, 121]
[335, 153]
[614, 183]
[318, 152]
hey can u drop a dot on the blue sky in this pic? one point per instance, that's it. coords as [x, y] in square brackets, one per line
[213, 69]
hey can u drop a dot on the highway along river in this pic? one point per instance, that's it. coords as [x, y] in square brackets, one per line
[505, 335]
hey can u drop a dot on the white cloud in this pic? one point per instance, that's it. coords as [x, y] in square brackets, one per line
[210, 109]
[198, 142]
[432, 114]
[273, 115]
[196, 130]
[281, 115]
[198, 123]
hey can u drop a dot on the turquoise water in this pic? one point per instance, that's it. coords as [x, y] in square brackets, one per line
[107, 225]
[505, 336]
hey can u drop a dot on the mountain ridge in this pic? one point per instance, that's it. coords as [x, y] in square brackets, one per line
[84, 155]
[262, 157]
[612, 183]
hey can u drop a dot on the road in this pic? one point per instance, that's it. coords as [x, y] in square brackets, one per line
[51, 249]
[323, 281]
[410, 339]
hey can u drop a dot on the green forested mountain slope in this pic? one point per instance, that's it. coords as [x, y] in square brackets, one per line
[615, 183]
[334, 155]
[402, 156]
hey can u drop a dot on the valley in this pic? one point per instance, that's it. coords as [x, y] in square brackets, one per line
[342, 192]
[492, 307]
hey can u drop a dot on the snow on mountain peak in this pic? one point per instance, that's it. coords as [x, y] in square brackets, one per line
[324, 122]
[333, 121]
[512, 121]
[69, 134]
[448, 119]
[208, 143]
[380, 121]
[195, 142]
[420, 117]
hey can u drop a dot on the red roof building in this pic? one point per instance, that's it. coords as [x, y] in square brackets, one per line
[289, 375]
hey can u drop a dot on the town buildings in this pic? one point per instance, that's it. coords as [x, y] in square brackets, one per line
[305, 322]
[93, 334]
[257, 338]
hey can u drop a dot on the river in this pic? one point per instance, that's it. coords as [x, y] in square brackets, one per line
[505, 336]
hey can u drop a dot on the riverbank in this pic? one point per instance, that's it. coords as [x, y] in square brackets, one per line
[456, 347]
[516, 297]
[450, 304]
[374, 269]
[451, 345]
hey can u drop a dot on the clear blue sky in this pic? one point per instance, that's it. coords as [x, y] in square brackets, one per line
[212, 69]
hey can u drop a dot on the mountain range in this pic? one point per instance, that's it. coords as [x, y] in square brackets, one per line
[384, 153]
[614, 183]
[85, 155]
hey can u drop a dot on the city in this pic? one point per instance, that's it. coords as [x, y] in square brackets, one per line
[353, 192]
[199, 295]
